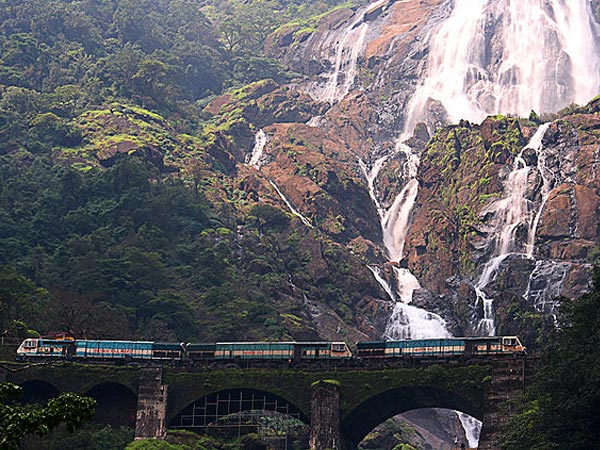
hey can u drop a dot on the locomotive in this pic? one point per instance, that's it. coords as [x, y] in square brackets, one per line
[283, 352]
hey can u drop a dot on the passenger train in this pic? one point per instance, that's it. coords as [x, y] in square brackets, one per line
[281, 352]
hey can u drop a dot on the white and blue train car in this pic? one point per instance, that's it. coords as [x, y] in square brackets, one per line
[97, 349]
[31, 349]
[43, 348]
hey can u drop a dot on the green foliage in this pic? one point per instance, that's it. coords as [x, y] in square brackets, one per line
[16, 421]
[88, 437]
[20, 303]
[269, 218]
[154, 444]
[108, 245]
[563, 411]
[65, 57]
[182, 440]
[534, 117]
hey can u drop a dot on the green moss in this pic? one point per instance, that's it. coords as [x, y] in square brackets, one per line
[332, 382]
[83, 167]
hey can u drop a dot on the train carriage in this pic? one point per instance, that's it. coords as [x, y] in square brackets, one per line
[254, 350]
[321, 351]
[448, 347]
[200, 352]
[170, 351]
[493, 345]
[101, 349]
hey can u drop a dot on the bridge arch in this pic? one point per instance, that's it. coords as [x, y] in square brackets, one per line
[384, 405]
[38, 391]
[116, 404]
[209, 409]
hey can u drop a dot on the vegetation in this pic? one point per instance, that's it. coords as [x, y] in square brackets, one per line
[563, 410]
[88, 437]
[17, 421]
[113, 222]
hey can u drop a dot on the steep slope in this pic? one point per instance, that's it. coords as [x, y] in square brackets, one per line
[383, 76]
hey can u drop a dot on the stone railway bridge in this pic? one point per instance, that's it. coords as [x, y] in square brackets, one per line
[341, 406]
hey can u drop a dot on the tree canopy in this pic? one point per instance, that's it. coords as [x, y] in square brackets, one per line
[563, 411]
[18, 421]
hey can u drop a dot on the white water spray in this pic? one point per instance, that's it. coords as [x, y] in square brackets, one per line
[490, 57]
[293, 210]
[472, 428]
[509, 56]
[513, 211]
[406, 321]
[349, 49]
[548, 182]
[260, 140]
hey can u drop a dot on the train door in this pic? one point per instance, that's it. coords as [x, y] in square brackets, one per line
[70, 350]
[297, 353]
[468, 348]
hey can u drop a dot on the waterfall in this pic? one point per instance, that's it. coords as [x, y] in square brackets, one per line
[395, 220]
[408, 321]
[511, 212]
[293, 210]
[544, 285]
[472, 428]
[487, 57]
[548, 182]
[260, 140]
[509, 56]
[371, 176]
[348, 50]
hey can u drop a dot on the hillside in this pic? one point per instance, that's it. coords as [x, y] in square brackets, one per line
[252, 212]
[203, 170]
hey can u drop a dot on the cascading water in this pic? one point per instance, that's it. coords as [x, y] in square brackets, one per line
[260, 140]
[513, 211]
[486, 57]
[472, 428]
[293, 210]
[509, 56]
[406, 321]
[348, 50]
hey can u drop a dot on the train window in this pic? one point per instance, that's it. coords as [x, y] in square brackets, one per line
[338, 347]
[510, 342]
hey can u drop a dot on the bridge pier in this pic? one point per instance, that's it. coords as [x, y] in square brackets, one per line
[325, 430]
[508, 382]
[152, 405]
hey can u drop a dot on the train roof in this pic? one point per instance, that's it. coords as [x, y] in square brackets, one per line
[283, 342]
[444, 339]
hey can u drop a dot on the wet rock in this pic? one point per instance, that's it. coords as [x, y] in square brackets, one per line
[557, 219]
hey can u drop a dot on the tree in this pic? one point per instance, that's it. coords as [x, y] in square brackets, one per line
[17, 421]
[20, 302]
[564, 409]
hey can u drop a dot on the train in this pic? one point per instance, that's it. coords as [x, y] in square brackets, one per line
[275, 352]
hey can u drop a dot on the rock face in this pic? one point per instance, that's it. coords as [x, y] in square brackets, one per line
[320, 150]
